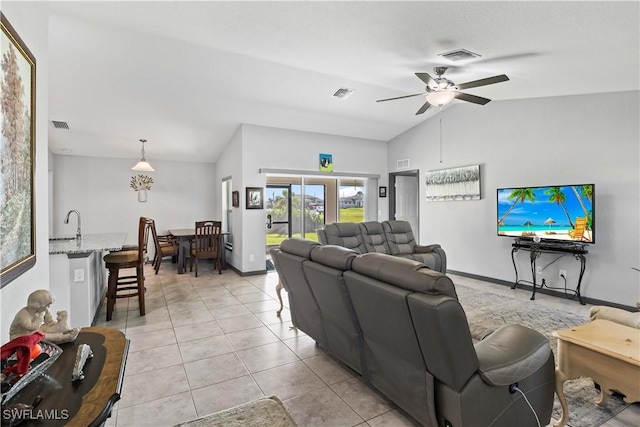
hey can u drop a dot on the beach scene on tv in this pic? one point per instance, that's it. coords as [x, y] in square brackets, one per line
[552, 213]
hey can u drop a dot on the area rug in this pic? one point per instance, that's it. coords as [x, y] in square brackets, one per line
[265, 412]
[490, 311]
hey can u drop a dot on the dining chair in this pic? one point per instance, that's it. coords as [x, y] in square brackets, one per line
[165, 246]
[207, 244]
[130, 285]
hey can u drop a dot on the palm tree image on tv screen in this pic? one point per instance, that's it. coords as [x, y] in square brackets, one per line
[553, 213]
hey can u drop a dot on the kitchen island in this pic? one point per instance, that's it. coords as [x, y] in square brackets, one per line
[77, 276]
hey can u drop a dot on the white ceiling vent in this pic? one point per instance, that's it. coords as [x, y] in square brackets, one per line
[459, 55]
[60, 125]
[343, 93]
[402, 164]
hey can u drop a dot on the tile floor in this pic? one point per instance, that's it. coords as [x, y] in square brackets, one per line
[213, 342]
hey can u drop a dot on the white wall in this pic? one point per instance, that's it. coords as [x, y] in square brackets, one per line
[30, 20]
[273, 148]
[98, 188]
[543, 141]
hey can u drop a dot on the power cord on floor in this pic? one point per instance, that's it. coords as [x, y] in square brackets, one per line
[513, 388]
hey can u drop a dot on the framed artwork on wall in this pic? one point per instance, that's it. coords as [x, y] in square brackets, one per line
[235, 199]
[326, 163]
[382, 191]
[461, 183]
[17, 205]
[254, 198]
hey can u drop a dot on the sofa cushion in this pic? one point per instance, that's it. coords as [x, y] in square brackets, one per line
[373, 237]
[298, 246]
[404, 273]
[333, 256]
[345, 234]
[400, 239]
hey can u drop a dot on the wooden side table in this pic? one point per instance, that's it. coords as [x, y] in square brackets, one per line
[607, 352]
[82, 403]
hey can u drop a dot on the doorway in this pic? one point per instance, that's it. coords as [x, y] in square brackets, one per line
[404, 199]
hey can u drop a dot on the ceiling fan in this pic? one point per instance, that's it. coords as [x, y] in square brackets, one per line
[441, 90]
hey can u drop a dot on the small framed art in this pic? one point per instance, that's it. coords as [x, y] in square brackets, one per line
[382, 191]
[254, 198]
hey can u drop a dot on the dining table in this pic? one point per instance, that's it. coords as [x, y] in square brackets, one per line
[184, 236]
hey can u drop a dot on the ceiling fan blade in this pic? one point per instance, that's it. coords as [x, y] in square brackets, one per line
[471, 98]
[484, 82]
[400, 97]
[426, 78]
[424, 108]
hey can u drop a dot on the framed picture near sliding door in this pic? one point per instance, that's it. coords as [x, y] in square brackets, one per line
[461, 183]
[17, 210]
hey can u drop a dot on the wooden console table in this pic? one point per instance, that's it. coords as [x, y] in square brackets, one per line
[535, 249]
[83, 403]
[607, 352]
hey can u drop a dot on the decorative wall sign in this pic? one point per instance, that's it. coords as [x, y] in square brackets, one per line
[461, 183]
[326, 163]
[254, 198]
[17, 204]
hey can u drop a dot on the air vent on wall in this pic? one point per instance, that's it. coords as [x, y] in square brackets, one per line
[60, 125]
[402, 164]
[342, 93]
[459, 55]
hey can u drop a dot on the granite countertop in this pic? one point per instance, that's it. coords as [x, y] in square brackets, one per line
[88, 243]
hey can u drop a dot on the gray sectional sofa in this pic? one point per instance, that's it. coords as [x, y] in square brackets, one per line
[389, 237]
[400, 326]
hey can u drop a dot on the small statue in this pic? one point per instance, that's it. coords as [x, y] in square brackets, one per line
[36, 317]
[84, 353]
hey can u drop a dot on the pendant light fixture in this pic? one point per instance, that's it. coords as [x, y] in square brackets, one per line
[143, 165]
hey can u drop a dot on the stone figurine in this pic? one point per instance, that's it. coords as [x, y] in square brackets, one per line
[36, 317]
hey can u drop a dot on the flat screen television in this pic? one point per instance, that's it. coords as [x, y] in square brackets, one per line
[563, 214]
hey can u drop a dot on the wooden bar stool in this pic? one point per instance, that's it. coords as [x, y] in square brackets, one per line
[128, 259]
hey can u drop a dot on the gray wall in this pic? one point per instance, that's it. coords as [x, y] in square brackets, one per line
[542, 141]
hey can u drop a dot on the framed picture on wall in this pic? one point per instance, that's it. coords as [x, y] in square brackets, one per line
[382, 191]
[18, 155]
[254, 198]
[235, 199]
[326, 162]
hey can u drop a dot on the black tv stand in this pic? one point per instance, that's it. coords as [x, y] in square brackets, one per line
[536, 248]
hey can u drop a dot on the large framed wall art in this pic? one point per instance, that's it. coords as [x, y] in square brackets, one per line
[461, 183]
[17, 151]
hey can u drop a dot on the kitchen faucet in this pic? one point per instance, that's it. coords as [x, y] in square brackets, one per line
[79, 231]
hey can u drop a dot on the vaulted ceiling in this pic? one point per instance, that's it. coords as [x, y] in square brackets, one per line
[185, 75]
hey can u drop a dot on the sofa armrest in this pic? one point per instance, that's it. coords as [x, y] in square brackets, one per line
[510, 354]
[420, 249]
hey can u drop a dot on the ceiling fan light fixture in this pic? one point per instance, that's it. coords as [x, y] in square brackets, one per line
[440, 97]
[143, 165]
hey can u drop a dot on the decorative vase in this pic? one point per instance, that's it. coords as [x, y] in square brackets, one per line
[142, 196]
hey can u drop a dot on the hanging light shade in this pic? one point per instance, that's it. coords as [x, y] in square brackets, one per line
[143, 165]
[440, 97]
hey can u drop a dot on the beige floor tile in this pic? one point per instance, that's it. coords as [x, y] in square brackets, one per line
[393, 418]
[165, 411]
[251, 338]
[267, 356]
[229, 311]
[328, 369]
[181, 307]
[204, 348]
[204, 329]
[152, 359]
[159, 338]
[270, 317]
[221, 301]
[269, 305]
[245, 289]
[226, 394]
[288, 381]
[214, 370]
[304, 347]
[362, 399]
[321, 408]
[253, 297]
[239, 323]
[285, 330]
[191, 318]
[152, 385]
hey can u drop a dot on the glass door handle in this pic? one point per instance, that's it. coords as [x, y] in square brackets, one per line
[269, 221]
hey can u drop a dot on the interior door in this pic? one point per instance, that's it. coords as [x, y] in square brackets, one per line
[406, 199]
